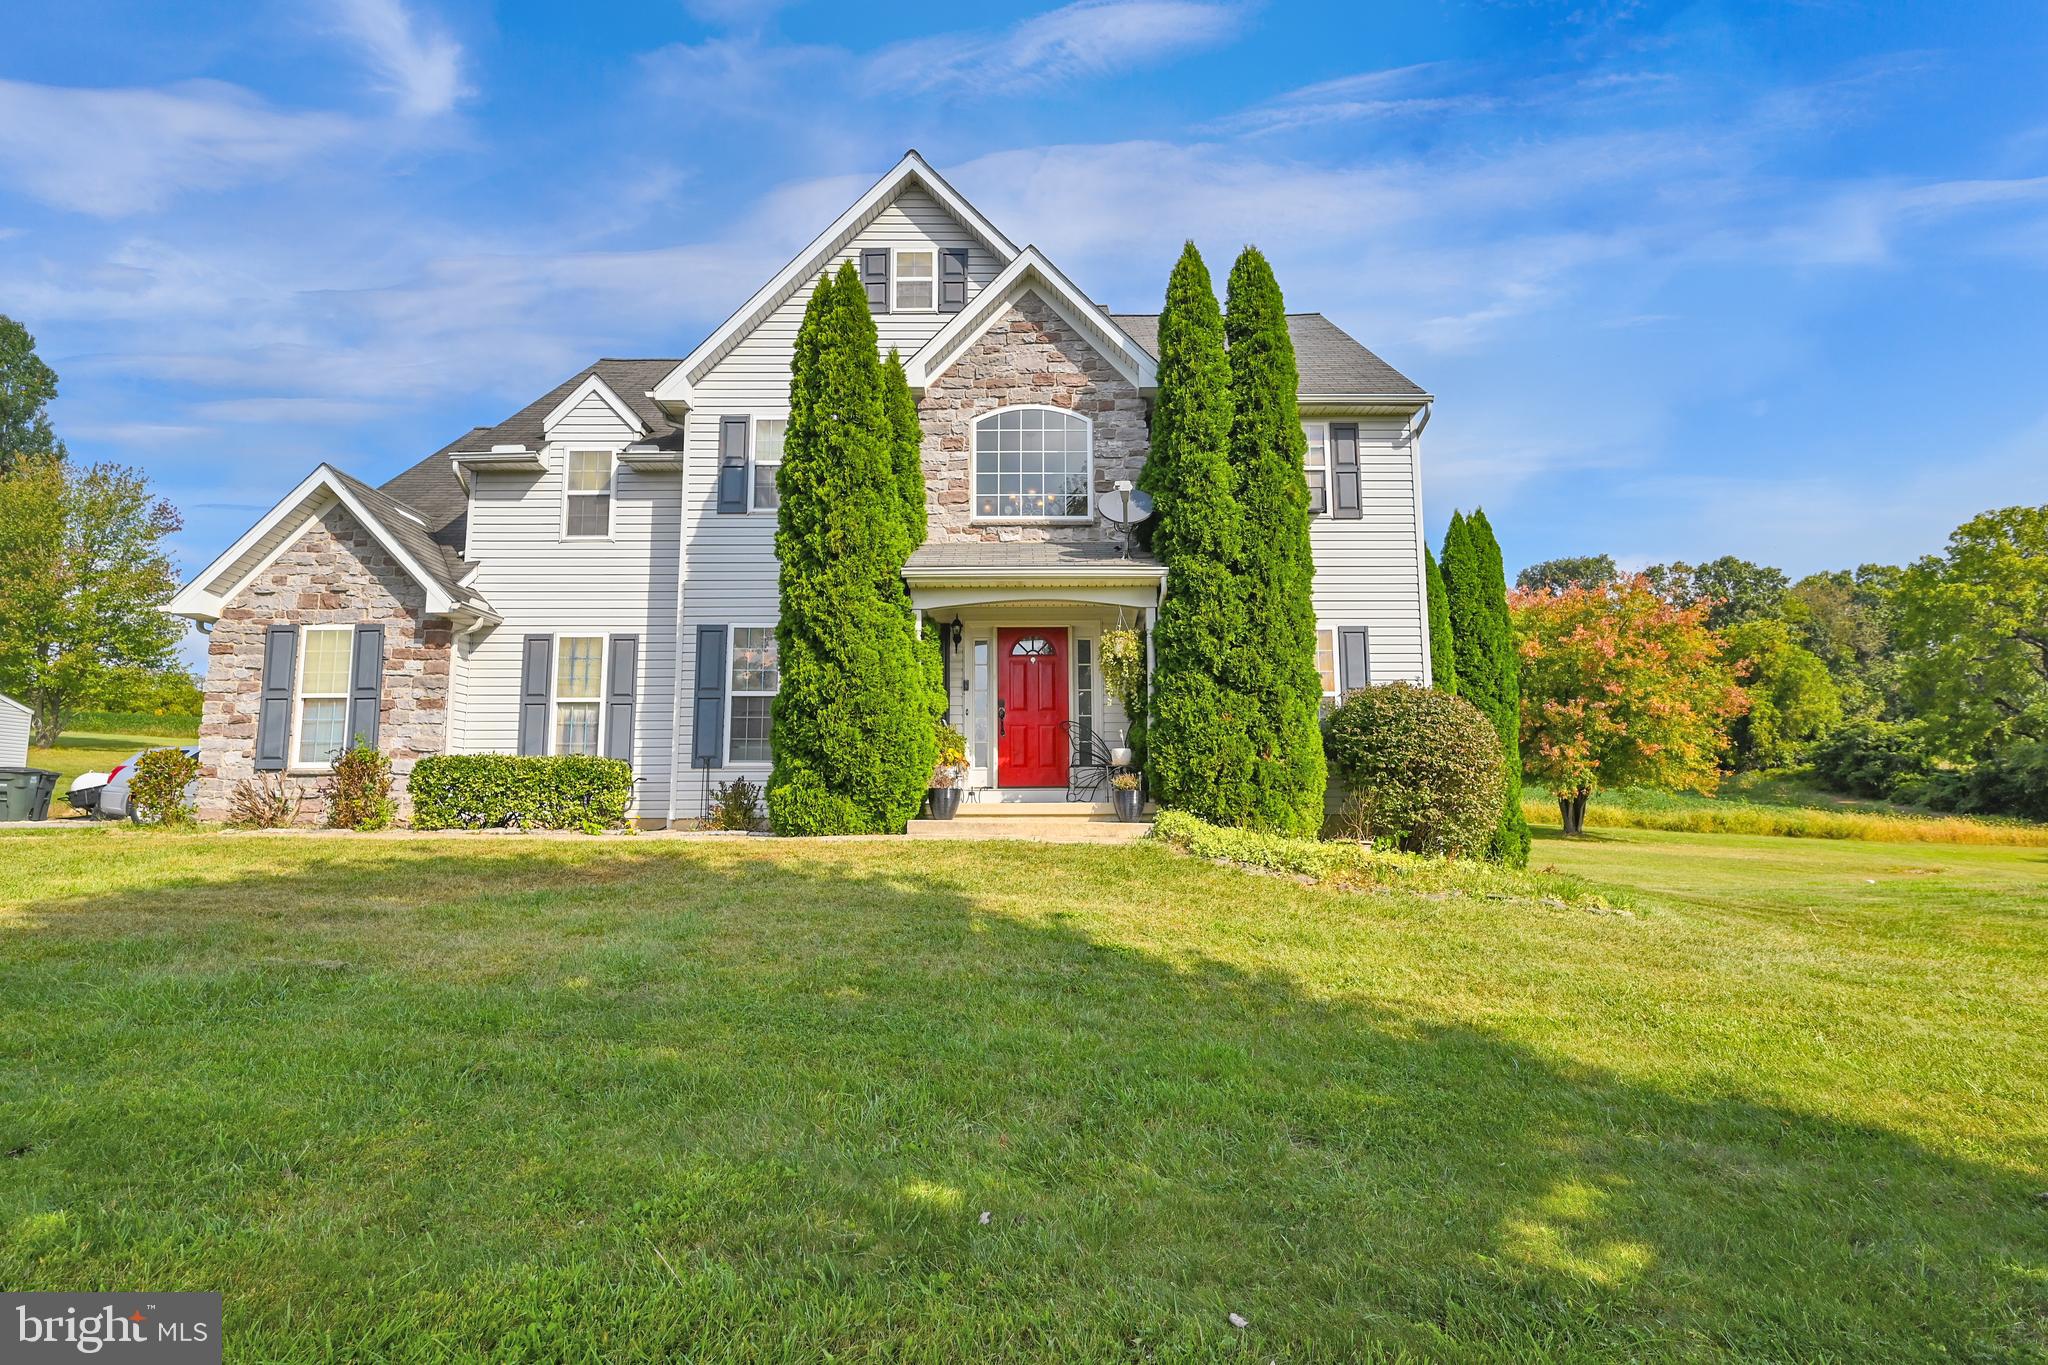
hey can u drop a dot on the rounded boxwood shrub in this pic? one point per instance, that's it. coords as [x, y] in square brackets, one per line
[1421, 770]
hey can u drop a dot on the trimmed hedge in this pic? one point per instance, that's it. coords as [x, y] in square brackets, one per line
[491, 791]
[1421, 769]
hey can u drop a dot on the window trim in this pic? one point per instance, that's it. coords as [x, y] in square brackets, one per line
[555, 697]
[611, 493]
[973, 471]
[896, 255]
[1333, 699]
[293, 763]
[732, 655]
[754, 460]
[1323, 467]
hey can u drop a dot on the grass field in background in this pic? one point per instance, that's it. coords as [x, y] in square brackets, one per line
[134, 723]
[639, 1099]
[1782, 808]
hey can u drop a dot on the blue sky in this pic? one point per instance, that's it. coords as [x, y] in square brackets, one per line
[1688, 280]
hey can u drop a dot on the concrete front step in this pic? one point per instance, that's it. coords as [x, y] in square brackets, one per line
[1034, 810]
[1073, 829]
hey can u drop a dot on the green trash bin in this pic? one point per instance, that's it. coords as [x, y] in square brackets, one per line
[25, 793]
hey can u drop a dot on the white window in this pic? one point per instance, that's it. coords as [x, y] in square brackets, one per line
[587, 499]
[1326, 667]
[323, 694]
[917, 281]
[1316, 464]
[579, 693]
[1084, 690]
[768, 436]
[756, 676]
[984, 705]
[1032, 464]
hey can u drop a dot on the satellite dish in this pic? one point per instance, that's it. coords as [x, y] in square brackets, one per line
[1126, 507]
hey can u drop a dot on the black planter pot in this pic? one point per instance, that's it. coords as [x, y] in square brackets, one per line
[1129, 804]
[942, 802]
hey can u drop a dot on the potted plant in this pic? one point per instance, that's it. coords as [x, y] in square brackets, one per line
[947, 774]
[1125, 790]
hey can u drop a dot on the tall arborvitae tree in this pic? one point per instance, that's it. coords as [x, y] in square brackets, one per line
[852, 729]
[1443, 660]
[1200, 755]
[906, 455]
[1511, 846]
[1276, 663]
[1488, 670]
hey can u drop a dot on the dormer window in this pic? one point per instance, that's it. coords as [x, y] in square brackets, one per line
[587, 495]
[917, 281]
[1032, 464]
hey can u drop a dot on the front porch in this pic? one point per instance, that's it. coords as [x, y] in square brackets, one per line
[1021, 625]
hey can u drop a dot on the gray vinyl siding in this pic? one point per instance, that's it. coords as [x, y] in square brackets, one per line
[731, 576]
[541, 583]
[1369, 571]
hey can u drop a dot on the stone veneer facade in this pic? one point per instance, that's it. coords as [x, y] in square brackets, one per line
[1028, 355]
[334, 574]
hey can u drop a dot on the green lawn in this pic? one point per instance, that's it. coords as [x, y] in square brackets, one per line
[641, 1100]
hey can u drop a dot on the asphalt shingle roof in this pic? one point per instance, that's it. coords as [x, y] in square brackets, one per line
[1020, 554]
[1329, 360]
[415, 539]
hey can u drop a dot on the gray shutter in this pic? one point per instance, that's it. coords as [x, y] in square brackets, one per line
[732, 464]
[365, 685]
[1344, 499]
[707, 727]
[536, 676]
[952, 279]
[1357, 659]
[620, 673]
[874, 273]
[274, 715]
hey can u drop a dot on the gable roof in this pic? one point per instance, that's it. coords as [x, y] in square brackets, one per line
[628, 381]
[1031, 272]
[1331, 362]
[911, 170]
[400, 529]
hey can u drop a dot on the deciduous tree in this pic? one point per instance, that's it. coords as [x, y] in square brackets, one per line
[1621, 689]
[1574, 571]
[26, 387]
[1732, 589]
[1792, 699]
[84, 578]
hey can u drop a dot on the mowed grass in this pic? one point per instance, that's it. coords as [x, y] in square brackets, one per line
[629, 1099]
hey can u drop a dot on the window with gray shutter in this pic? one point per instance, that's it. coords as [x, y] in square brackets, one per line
[707, 718]
[1344, 495]
[952, 279]
[1357, 658]
[274, 716]
[621, 672]
[535, 680]
[732, 465]
[365, 685]
[874, 274]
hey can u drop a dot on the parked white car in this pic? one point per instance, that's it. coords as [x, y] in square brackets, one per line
[113, 803]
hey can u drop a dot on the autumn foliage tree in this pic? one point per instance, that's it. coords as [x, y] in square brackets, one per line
[1620, 688]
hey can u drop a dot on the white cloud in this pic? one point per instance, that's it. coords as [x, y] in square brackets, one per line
[121, 151]
[734, 13]
[1088, 38]
[415, 61]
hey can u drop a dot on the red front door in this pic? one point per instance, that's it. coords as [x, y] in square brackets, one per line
[1031, 708]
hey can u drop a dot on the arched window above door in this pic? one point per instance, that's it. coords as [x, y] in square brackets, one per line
[1032, 647]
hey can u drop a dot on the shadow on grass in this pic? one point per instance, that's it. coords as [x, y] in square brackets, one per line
[557, 1102]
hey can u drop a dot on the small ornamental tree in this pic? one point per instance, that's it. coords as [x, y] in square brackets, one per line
[1621, 689]
[1275, 663]
[1443, 658]
[1488, 671]
[1200, 755]
[851, 729]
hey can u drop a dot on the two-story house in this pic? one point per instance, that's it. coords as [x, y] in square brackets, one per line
[596, 573]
